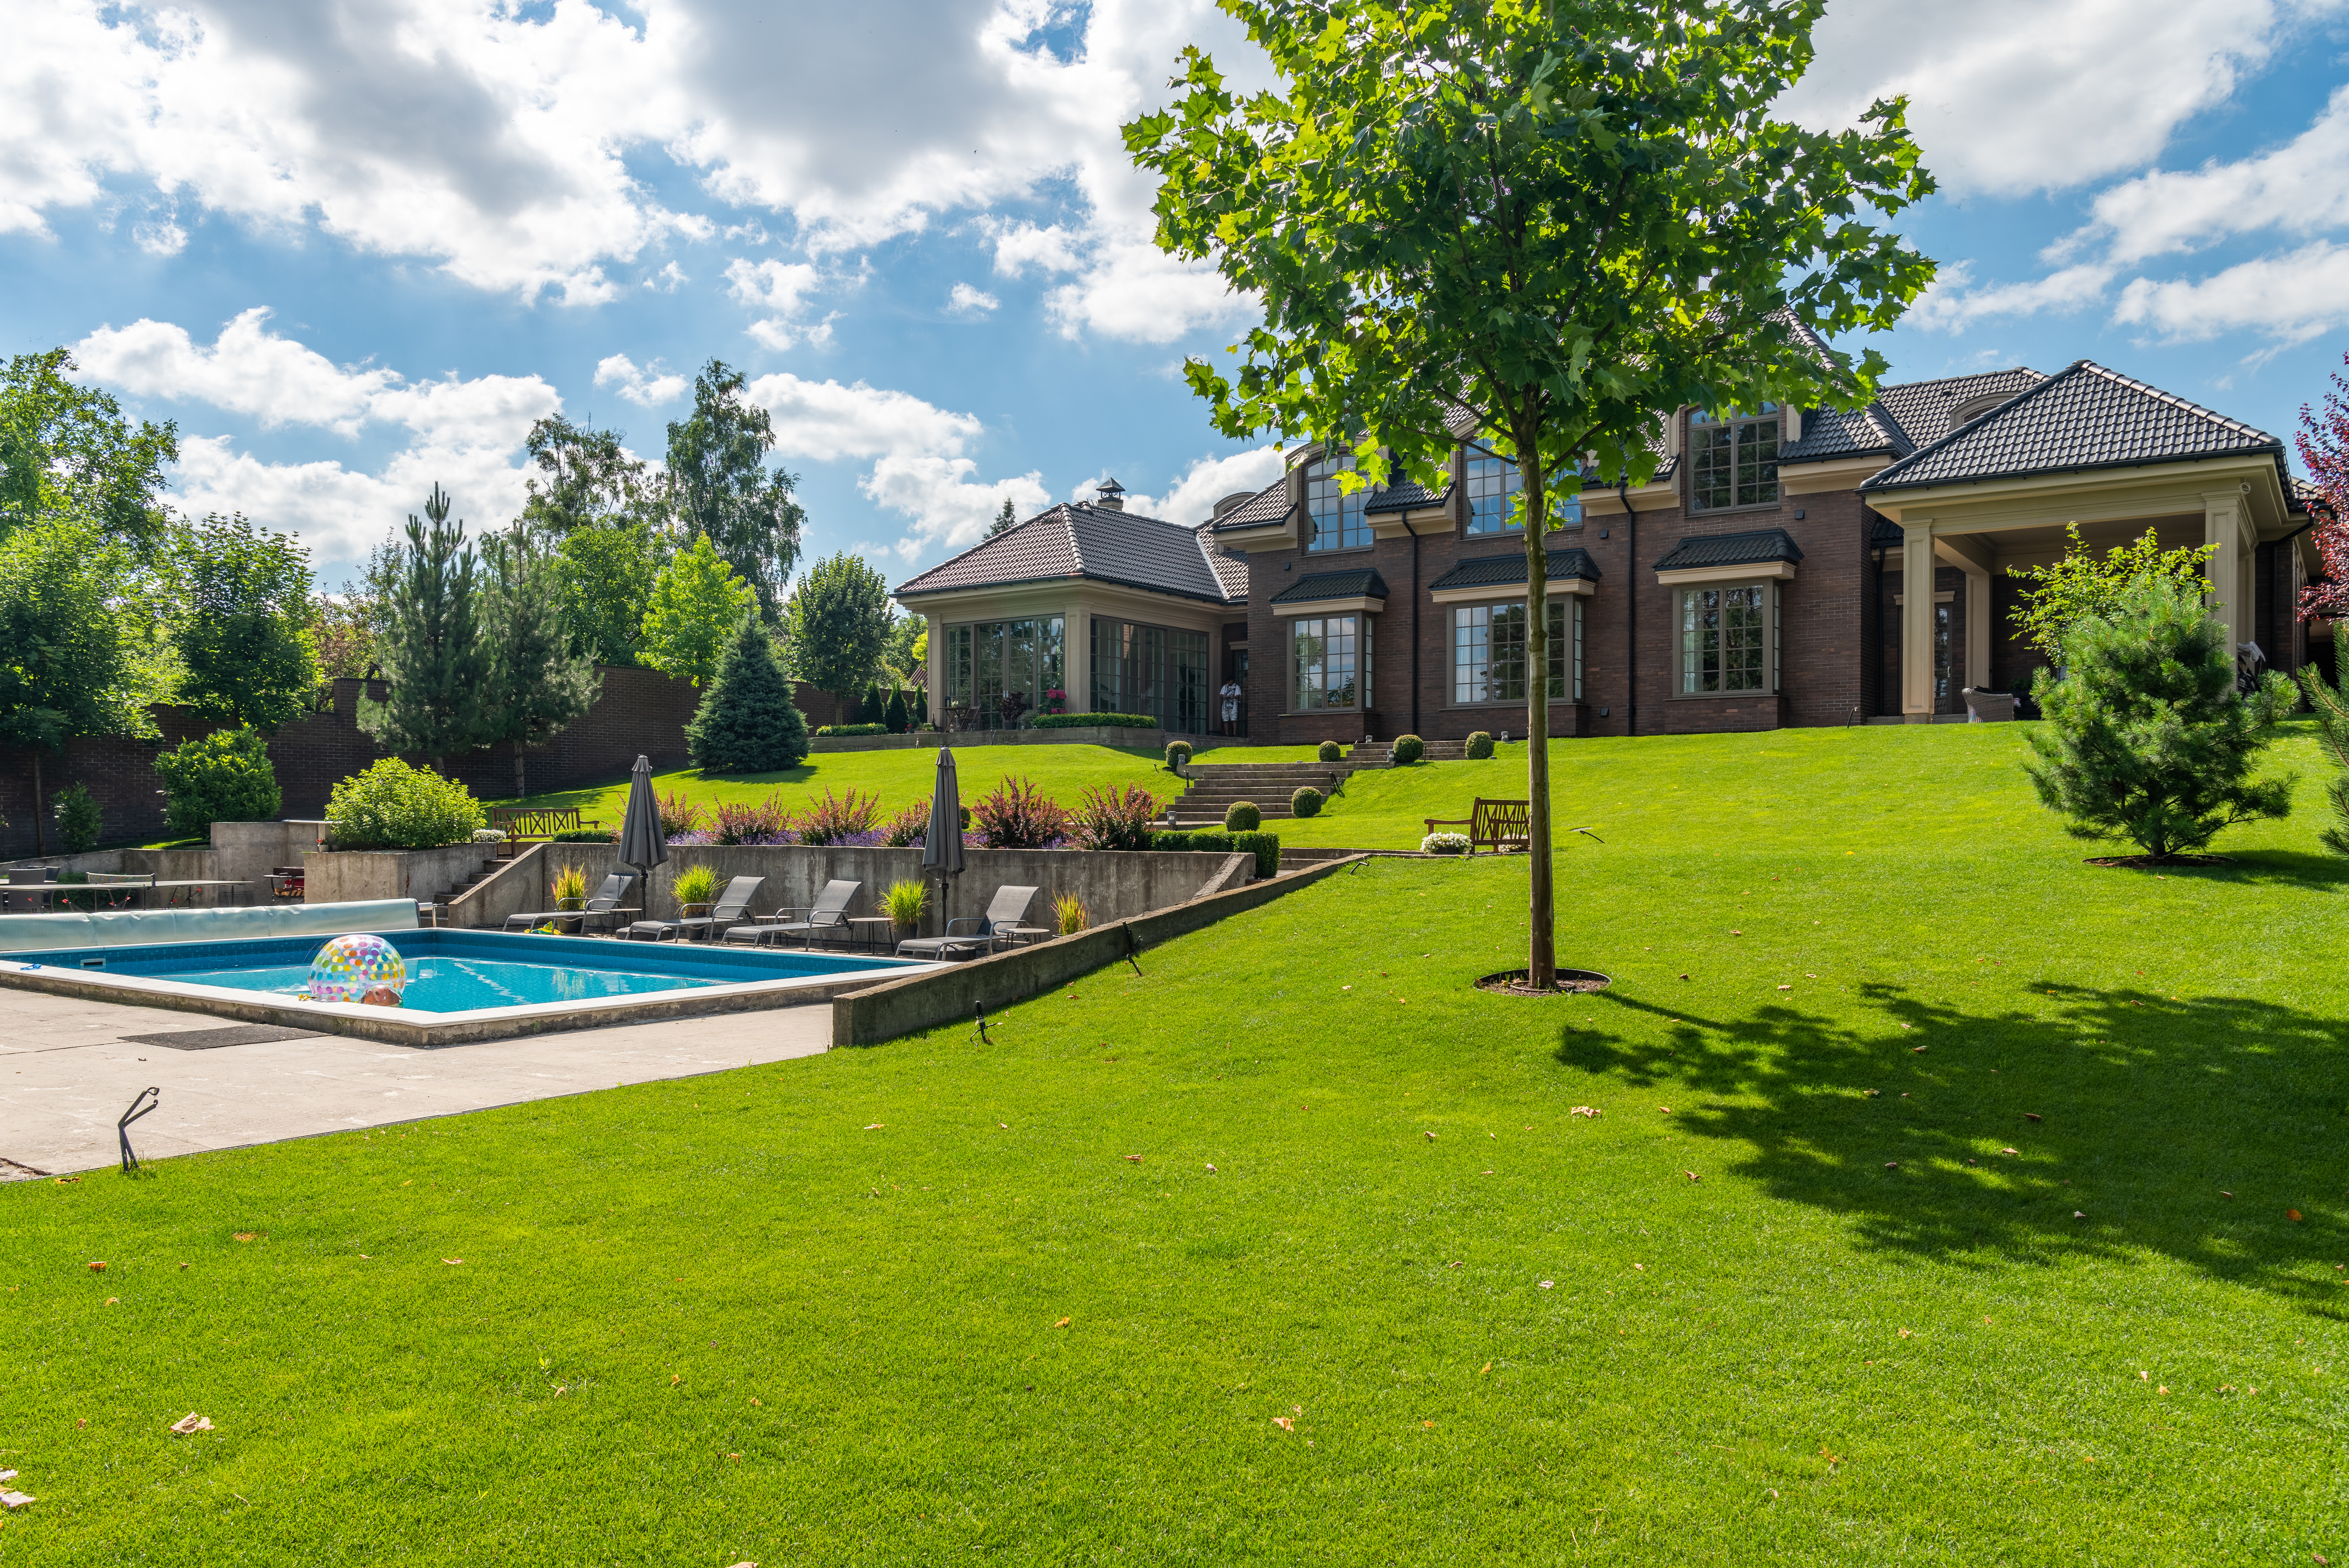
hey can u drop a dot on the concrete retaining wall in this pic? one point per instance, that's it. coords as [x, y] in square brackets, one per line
[901, 1007]
[346, 876]
[1112, 885]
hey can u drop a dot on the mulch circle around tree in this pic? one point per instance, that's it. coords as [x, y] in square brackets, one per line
[2156, 862]
[1570, 982]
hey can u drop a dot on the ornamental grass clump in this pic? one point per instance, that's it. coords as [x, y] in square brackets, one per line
[1305, 801]
[1242, 817]
[1015, 815]
[696, 885]
[1069, 916]
[832, 820]
[2145, 738]
[905, 903]
[391, 806]
[570, 884]
[1108, 817]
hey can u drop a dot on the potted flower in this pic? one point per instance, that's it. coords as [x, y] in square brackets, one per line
[696, 887]
[569, 888]
[1056, 701]
[907, 901]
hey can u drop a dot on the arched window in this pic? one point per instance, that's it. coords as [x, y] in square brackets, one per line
[1334, 519]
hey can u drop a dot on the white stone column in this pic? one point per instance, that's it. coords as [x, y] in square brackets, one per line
[1077, 655]
[2222, 515]
[936, 661]
[1916, 621]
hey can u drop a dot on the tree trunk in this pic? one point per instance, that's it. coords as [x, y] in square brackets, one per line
[41, 840]
[519, 791]
[1541, 958]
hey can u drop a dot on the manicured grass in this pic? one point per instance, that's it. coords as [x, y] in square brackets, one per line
[975, 1328]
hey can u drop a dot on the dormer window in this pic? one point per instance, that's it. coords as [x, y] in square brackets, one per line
[1734, 457]
[1334, 519]
[1974, 409]
[1494, 489]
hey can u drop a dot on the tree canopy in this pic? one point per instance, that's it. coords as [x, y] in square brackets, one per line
[584, 477]
[2323, 443]
[839, 620]
[720, 487]
[68, 455]
[240, 626]
[2084, 584]
[697, 602]
[1549, 224]
[430, 650]
[534, 684]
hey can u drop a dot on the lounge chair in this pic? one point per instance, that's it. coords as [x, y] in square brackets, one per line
[1005, 912]
[604, 905]
[732, 905]
[825, 919]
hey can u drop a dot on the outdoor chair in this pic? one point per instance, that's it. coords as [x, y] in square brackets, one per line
[604, 906]
[824, 920]
[40, 883]
[1007, 910]
[1492, 825]
[732, 905]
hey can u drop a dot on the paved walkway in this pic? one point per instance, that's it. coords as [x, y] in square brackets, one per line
[67, 1071]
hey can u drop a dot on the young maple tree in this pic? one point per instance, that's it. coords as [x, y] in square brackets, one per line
[1555, 222]
[2323, 443]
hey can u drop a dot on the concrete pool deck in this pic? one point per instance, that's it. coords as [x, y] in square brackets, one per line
[67, 1069]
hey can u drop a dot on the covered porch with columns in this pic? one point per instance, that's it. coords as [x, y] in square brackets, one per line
[1992, 528]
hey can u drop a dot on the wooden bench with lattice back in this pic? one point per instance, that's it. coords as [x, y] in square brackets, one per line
[1495, 825]
[534, 825]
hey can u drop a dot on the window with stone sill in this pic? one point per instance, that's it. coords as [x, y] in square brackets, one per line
[1728, 642]
[1734, 459]
[1489, 652]
[1329, 662]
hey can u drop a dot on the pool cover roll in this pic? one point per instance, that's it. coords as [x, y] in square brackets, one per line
[128, 928]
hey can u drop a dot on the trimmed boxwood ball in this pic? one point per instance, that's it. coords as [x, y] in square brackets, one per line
[1409, 748]
[1307, 801]
[1480, 746]
[1178, 753]
[1330, 752]
[1242, 817]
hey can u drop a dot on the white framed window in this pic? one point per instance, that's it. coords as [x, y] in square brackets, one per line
[1334, 518]
[1734, 459]
[1489, 651]
[1329, 662]
[1728, 638]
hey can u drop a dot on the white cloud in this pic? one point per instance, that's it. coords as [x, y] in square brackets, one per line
[2010, 97]
[965, 300]
[2290, 298]
[1192, 499]
[341, 513]
[646, 387]
[668, 280]
[2301, 187]
[782, 287]
[1950, 307]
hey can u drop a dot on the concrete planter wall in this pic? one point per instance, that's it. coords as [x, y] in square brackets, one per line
[1113, 886]
[346, 876]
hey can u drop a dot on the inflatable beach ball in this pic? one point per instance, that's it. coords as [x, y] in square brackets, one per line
[358, 968]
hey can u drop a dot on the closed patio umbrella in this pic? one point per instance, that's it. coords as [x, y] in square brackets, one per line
[641, 843]
[942, 854]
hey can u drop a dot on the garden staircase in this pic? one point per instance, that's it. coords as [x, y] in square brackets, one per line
[436, 910]
[1381, 753]
[1214, 786]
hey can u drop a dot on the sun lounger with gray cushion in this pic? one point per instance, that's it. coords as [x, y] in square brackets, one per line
[1005, 912]
[732, 905]
[825, 920]
[604, 906]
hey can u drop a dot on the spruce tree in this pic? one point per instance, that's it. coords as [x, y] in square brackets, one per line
[430, 653]
[2145, 738]
[536, 685]
[747, 723]
[898, 720]
[2331, 703]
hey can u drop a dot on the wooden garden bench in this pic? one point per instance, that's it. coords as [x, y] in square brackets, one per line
[535, 824]
[1492, 825]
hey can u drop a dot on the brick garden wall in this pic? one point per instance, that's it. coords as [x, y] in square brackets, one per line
[640, 710]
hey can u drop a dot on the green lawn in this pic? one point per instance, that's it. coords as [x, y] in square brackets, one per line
[917, 1304]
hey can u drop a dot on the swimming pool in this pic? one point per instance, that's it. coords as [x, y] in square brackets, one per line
[462, 984]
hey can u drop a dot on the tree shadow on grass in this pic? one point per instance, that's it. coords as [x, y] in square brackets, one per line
[2148, 1110]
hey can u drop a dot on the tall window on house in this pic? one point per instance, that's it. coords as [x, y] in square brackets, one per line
[1493, 488]
[1489, 652]
[1334, 519]
[1328, 659]
[1000, 670]
[1728, 639]
[1940, 655]
[1734, 457]
[1160, 672]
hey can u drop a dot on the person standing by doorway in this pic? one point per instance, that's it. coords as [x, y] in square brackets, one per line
[1231, 696]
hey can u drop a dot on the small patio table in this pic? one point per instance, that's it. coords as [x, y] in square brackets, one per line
[879, 940]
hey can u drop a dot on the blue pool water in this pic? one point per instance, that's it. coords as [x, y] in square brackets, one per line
[458, 971]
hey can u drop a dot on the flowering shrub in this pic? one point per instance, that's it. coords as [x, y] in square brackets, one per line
[759, 822]
[680, 815]
[1445, 844]
[831, 819]
[1113, 818]
[908, 826]
[1015, 815]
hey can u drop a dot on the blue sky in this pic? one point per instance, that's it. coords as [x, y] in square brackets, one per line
[355, 250]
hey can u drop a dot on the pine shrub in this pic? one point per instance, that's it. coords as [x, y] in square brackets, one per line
[2331, 706]
[223, 777]
[747, 723]
[2145, 738]
[896, 716]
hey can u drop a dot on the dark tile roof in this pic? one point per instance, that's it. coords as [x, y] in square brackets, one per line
[1500, 571]
[1750, 548]
[1922, 408]
[1231, 571]
[2083, 416]
[1887, 534]
[1362, 584]
[1407, 496]
[1080, 539]
[1839, 433]
[1268, 506]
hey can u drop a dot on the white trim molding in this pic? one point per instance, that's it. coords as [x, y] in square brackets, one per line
[1751, 571]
